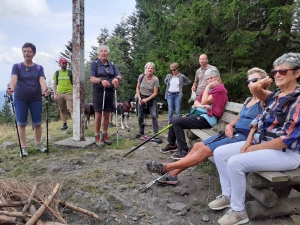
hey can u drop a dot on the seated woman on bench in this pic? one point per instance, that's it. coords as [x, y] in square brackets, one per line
[237, 130]
[212, 101]
[273, 143]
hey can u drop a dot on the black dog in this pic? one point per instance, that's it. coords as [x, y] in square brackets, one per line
[88, 112]
[123, 110]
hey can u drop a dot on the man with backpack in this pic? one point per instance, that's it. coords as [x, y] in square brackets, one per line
[63, 90]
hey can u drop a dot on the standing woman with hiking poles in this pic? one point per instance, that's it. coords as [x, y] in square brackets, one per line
[28, 83]
[105, 76]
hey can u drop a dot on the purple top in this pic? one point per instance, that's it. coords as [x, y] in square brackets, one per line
[28, 86]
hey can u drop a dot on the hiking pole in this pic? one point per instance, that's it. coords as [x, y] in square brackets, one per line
[143, 189]
[102, 115]
[117, 117]
[159, 132]
[10, 100]
[47, 122]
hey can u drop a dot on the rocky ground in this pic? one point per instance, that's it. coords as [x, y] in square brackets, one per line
[104, 182]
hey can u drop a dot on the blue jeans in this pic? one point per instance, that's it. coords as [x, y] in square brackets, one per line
[35, 108]
[174, 102]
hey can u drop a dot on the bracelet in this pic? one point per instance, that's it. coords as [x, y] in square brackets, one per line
[117, 78]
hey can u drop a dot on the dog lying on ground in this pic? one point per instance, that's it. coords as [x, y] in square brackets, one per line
[123, 110]
[88, 112]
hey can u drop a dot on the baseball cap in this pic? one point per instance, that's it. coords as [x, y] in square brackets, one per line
[63, 60]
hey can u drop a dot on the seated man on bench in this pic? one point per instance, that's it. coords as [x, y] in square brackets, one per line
[273, 143]
[211, 101]
[235, 131]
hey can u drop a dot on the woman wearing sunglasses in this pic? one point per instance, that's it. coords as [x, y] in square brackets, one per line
[175, 82]
[271, 145]
[237, 130]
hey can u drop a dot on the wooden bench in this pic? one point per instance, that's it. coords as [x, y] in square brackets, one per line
[270, 189]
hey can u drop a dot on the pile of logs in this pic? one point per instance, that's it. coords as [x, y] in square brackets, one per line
[18, 203]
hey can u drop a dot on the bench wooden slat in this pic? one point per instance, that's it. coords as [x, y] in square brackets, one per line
[203, 134]
[227, 117]
[274, 176]
[294, 175]
[233, 106]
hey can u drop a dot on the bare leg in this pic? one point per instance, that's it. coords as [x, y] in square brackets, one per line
[106, 121]
[63, 115]
[22, 134]
[38, 133]
[97, 122]
[71, 112]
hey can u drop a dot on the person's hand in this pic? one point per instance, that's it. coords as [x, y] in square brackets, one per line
[9, 91]
[245, 147]
[193, 88]
[47, 92]
[55, 96]
[105, 83]
[207, 107]
[264, 83]
[144, 101]
[115, 82]
[212, 85]
[229, 131]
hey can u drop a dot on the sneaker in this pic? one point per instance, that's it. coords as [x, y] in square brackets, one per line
[64, 127]
[110, 125]
[24, 151]
[106, 139]
[41, 147]
[99, 141]
[145, 138]
[155, 167]
[169, 180]
[157, 140]
[139, 135]
[221, 202]
[169, 148]
[233, 218]
[179, 154]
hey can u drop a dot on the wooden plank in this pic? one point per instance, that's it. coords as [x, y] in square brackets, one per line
[211, 158]
[294, 175]
[202, 133]
[274, 176]
[234, 107]
[227, 117]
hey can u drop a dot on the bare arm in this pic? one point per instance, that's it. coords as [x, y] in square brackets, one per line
[259, 88]
[229, 127]
[44, 87]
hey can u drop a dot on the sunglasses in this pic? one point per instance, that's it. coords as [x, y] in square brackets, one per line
[107, 70]
[173, 69]
[252, 80]
[281, 71]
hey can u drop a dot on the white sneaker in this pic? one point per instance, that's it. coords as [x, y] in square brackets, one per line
[221, 202]
[233, 218]
[24, 151]
[41, 147]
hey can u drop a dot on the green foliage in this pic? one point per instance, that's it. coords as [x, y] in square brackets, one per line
[6, 114]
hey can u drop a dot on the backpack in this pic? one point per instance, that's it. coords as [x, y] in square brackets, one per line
[69, 74]
[37, 66]
[96, 70]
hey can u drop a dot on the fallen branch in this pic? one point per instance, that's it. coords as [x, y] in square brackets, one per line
[7, 220]
[43, 207]
[25, 208]
[84, 211]
[12, 204]
[14, 214]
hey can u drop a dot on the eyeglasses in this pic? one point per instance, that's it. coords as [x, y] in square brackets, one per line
[174, 69]
[107, 70]
[252, 80]
[281, 71]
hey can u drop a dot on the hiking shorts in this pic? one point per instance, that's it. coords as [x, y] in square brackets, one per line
[98, 99]
[35, 108]
[65, 99]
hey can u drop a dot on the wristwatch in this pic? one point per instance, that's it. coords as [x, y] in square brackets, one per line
[100, 81]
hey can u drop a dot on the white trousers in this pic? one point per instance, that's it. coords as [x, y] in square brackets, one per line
[232, 166]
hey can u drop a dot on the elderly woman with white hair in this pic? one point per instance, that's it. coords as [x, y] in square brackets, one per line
[211, 103]
[105, 76]
[273, 143]
[146, 92]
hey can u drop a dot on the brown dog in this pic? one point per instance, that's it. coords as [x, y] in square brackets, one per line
[88, 112]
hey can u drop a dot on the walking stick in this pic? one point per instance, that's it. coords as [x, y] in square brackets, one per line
[102, 115]
[159, 132]
[47, 122]
[10, 100]
[143, 189]
[117, 117]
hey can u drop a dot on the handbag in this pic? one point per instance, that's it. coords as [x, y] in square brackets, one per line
[197, 111]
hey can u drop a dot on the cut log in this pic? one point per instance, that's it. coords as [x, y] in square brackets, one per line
[12, 204]
[265, 196]
[84, 211]
[25, 208]
[7, 219]
[43, 207]
[284, 207]
[14, 214]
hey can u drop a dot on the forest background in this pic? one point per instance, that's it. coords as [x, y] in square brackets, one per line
[235, 34]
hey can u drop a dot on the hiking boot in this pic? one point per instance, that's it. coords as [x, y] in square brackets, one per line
[64, 127]
[169, 148]
[169, 180]
[139, 135]
[24, 151]
[98, 141]
[106, 139]
[41, 147]
[233, 218]
[221, 202]
[155, 167]
[180, 154]
[110, 125]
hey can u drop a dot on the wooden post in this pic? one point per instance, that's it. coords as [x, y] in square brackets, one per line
[284, 207]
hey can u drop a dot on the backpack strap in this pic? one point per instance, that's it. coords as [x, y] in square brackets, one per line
[247, 101]
[142, 78]
[70, 76]
[19, 66]
[56, 74]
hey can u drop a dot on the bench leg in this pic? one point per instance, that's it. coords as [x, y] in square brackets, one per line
[282, 191]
